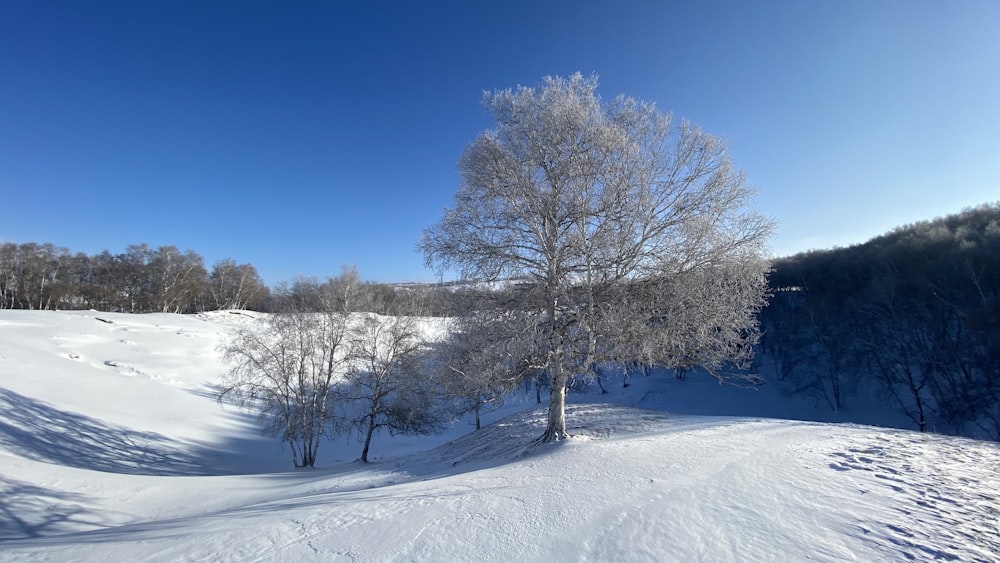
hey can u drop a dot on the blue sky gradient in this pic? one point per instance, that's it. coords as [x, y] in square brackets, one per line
[302, 136]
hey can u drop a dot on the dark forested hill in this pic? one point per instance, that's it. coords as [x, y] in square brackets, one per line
[914, 310]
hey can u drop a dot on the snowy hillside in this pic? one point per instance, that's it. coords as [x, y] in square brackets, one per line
[113, 448]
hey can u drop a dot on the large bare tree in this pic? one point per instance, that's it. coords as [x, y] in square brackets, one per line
[631, 233]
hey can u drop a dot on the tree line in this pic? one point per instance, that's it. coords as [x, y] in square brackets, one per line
[165, 279]
[912, 316]
[139, 280]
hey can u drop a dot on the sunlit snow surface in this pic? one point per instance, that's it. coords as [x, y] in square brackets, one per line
[113, 448]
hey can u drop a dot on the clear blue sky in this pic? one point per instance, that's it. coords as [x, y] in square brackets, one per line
[302, 136]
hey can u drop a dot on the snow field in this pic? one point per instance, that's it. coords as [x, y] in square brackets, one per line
[135, 460]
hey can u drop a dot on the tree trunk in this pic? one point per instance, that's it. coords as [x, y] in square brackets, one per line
[368, 438]
[556, 428]
[308, 457]
[312, 445]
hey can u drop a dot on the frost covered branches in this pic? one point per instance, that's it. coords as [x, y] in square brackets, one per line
[606, 209]
[704, 317]
[484, 357]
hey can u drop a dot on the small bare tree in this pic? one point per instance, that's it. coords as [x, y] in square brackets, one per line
[287, 367]
[597, 206]
[476, 368]
[385, 387]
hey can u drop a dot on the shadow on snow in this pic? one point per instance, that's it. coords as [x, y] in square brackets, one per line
[30, 511]
[42, 432]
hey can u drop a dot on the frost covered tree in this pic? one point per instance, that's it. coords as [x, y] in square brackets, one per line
[630, 234]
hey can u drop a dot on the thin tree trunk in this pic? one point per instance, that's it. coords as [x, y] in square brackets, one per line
[368, 438]
[315, 437]
[308, 454]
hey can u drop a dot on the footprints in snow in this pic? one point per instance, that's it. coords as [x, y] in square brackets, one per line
[929, 480]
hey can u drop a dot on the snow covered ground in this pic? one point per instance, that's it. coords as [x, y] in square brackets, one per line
[113, 448]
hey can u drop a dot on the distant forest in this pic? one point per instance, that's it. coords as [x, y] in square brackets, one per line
[912, 315]
[166, 280]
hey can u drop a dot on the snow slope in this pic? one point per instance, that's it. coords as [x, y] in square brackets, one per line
[112, 448]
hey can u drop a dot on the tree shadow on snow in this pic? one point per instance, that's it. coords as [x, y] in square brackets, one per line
[41, 432]
[30, 511]
[514, 438]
